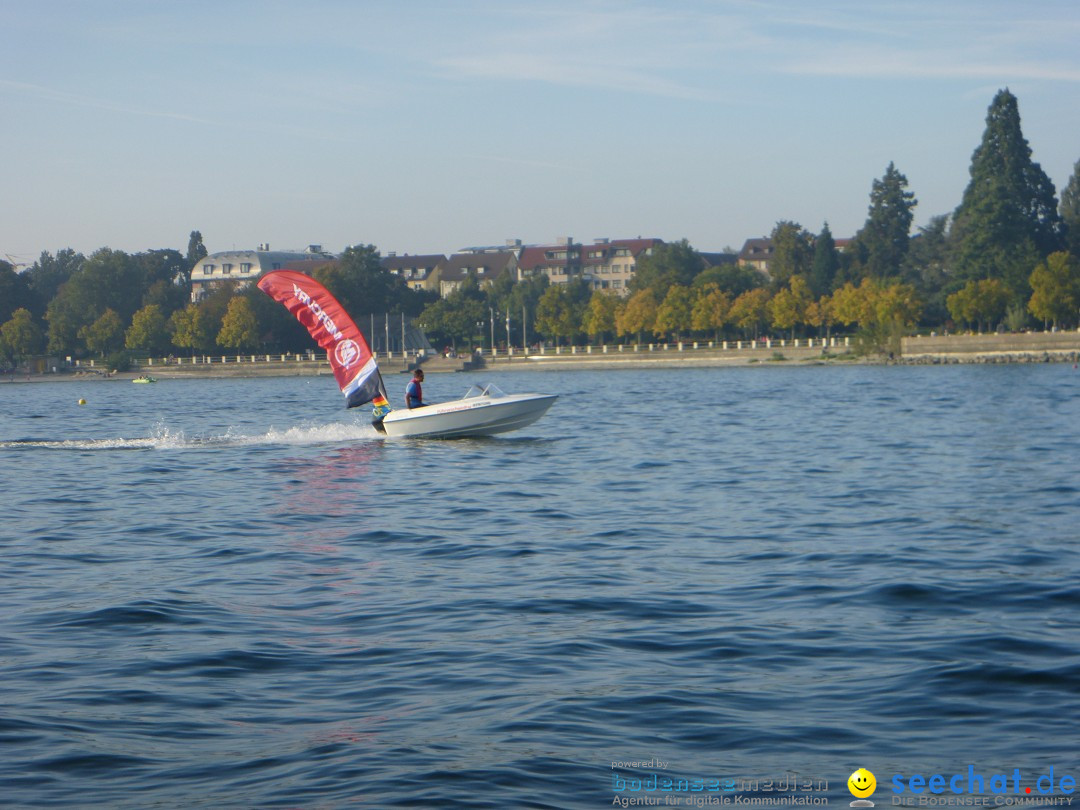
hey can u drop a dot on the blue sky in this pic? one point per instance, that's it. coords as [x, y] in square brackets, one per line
[428, 126]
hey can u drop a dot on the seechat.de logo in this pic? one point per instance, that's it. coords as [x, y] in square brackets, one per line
[862, 785]
[347, 352]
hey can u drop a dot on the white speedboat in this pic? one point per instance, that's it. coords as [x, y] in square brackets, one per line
[481, 412]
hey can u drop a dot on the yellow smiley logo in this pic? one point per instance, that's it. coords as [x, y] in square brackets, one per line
[862, 783]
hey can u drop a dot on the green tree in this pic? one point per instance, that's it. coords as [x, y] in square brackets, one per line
[670, 263]
[675, 311]
[600, 314]
[238, 327]
[64, 319]
[108, 280]
[927, 266]
[196, 251]
[557, 315]
[524, 298]
[882, 243]
[15, 291]
[1008, 218]
[170, 297]
[49, 273]
[191, 330]
[454, 318]
[711, 310]
[1070, 211]
[105, 335]
[278, 330]
[792, 252]
[20, 337]
[500, 289]
[215, 304]
[148, 331]
[1055, 289]
[734, 279]
[363, 287]
[825, 263]
[638, 315]
[164, 265]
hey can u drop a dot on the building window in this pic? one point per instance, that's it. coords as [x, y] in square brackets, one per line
[208, 269]
[245, 268]
[226, 269]
[616, 283]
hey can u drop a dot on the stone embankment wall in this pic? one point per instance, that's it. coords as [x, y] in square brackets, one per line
[1024, 347]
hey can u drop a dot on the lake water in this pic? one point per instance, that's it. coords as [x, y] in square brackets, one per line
[233, 593]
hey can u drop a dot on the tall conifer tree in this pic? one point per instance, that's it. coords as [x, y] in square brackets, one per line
[1070, 212]
[826, 263]
[882, 243]
[1007, 220]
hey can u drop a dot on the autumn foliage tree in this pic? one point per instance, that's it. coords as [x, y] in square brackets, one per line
[711, 310]
[638, 316]
[750, 311]
[979, 302]
[600, 314]
[788, 307]
[148, 331]
[674, 313]
[1055, 289]
[238, 327]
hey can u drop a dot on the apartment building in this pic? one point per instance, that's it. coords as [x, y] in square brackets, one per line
[241, 267]
[606, 264]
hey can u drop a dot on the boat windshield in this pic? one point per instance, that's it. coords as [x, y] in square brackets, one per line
[490, 390]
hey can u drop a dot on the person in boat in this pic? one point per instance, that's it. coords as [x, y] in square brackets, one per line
[414, 392]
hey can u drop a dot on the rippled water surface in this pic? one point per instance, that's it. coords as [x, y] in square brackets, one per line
[232, 593]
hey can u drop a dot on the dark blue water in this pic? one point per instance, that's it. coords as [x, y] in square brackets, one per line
[231, 593]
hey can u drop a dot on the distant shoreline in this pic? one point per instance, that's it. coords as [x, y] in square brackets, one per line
[1036, 347]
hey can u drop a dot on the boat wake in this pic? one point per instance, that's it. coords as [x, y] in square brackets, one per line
[166, 438]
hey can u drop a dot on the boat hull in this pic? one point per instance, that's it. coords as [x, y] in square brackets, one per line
[472, 416]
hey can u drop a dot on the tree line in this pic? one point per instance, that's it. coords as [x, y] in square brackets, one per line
[1008, 255]
[115, 305]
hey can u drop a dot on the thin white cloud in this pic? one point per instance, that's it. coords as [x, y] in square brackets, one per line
[81, 100]
[569, 72]
[914, 65]
[931, 41]
[687, 53]
[540, 164]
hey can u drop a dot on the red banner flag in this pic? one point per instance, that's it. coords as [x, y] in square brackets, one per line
[327, 321]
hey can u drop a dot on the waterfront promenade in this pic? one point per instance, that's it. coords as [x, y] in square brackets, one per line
[922, 349]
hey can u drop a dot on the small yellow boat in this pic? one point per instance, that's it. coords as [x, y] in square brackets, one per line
[144, 379]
